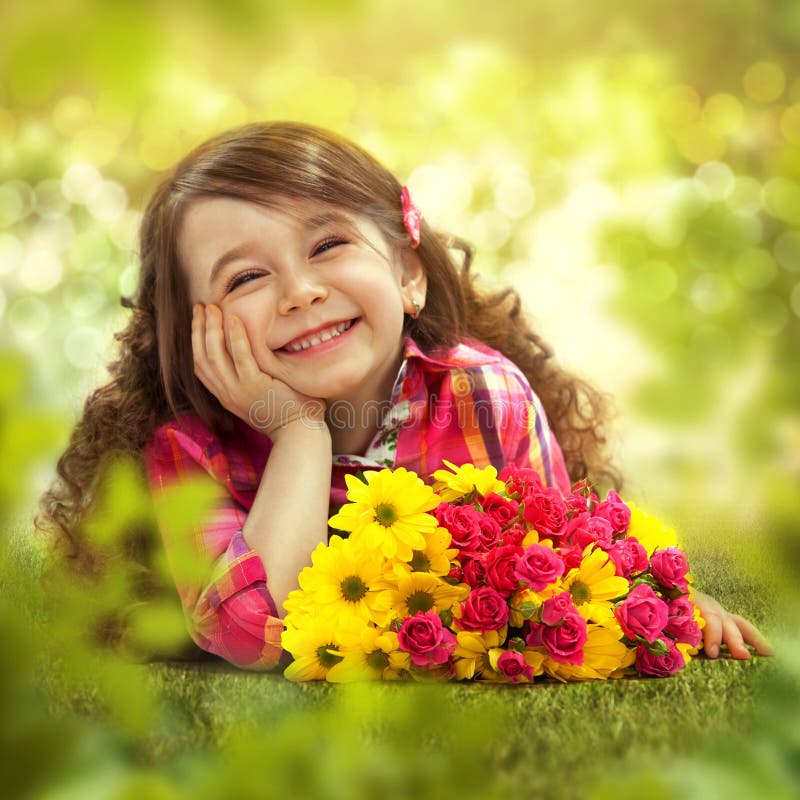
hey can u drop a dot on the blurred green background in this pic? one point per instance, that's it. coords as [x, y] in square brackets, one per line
[632, 167]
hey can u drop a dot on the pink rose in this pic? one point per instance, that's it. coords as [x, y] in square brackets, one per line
[615, 511]
[520, 481]
[555, 608]
[642, 613]
[501, 565]
[572, 556]
[514, 667]
[669, 568]
[583, 530]
[485, 609]
[681, 624]
[503, 511]
[425, 638]
[659, 666]
[564, 643]
[629, 557]
[463, 522]
[546, 512]
[475, 572]
[539, 566]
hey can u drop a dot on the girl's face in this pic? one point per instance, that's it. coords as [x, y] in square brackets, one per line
[318, 287]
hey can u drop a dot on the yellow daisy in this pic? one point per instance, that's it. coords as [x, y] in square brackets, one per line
[652, 533]
[389, 512]
[413, 592]
[457, 482]
[604, 656]
[343, 578]
[472, 652]
[594, 584]
[372, 655]
[317, 645]
[436, 556]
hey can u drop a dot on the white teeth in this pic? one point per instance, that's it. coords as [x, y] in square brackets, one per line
[318, 338]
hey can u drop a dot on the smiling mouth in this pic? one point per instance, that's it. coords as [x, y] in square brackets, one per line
[318, 337]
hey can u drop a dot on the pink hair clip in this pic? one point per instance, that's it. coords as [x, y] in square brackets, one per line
[412, 217]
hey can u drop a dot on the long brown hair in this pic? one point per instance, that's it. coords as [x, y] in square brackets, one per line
[153, 378]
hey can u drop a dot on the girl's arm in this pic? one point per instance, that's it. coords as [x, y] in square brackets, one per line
[289, 514]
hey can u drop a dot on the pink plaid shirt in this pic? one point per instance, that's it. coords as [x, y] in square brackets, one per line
[468, 404]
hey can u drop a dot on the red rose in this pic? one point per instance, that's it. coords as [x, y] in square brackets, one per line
[669, 568]
[475, 572]
[425, 638]
[642, 613]
[659, 666]
[539, 566]
[515, 534]
[583, 530]
[555, 608]
[463, 522]
[681, 624]
[520, 482]
[628, 556]
[546, 512]
[484, 610]
[564, 642]
[501, 569]
[514, 667]
[489, 532]
[572, 556]
[503, 511]
[615, 511]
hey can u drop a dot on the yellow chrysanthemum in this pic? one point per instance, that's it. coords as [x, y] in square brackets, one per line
[652, 533]
[317, 645]
[472, 652]
[388, 512]
[594, 584]
[372, 655]
[457, 482]
[413, 592]
[604, 656]
[436, 556]
[343, 578]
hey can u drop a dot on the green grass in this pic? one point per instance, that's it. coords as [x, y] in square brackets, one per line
[176, 729]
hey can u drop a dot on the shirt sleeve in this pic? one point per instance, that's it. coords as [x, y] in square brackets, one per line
[529, 441]
[221, 581]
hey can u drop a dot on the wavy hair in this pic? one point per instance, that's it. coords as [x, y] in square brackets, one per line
[152, 378]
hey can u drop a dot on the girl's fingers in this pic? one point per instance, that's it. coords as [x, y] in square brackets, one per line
[215, 346]
[752, 636]
[199, 354]
[239, 346]
[733, 638]
[712, 633]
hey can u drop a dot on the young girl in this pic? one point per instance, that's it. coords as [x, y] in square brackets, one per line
[297, 321]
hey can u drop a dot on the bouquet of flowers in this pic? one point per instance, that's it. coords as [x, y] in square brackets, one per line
[490, 577]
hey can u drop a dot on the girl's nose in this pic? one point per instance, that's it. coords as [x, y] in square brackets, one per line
[301, 290]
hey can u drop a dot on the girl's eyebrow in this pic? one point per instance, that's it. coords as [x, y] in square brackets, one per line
[240, 251]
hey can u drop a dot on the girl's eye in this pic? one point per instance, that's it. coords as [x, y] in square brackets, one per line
[242, 277]
[327, 244]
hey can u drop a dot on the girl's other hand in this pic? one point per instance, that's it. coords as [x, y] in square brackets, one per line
[224, 363]
[722, 627]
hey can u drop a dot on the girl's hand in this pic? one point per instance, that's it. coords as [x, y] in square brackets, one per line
[723, 627]
[226, 367]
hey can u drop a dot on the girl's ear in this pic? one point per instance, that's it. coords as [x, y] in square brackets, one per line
[413, 282]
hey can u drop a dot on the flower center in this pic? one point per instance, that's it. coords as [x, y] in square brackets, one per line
[353, 588]
[419, 601]
[420, 562]
[580, 592]
[377, 659]
[385, 514]
[325, 658]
